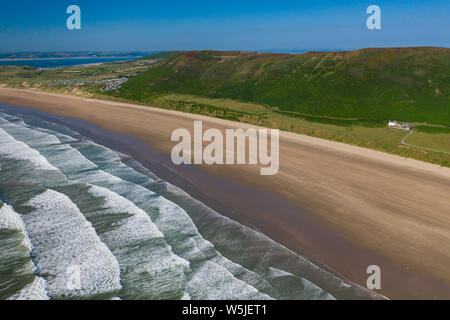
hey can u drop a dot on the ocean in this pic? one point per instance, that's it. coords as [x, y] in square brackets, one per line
[79, 220]
[58, 63]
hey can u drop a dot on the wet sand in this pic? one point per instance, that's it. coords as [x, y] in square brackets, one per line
[343, 206]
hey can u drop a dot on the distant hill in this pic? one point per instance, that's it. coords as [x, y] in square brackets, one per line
[160, 55]
[406, 84]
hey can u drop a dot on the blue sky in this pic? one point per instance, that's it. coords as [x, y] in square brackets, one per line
[113, 25]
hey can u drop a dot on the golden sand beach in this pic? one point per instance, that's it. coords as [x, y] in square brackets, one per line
[394, 211]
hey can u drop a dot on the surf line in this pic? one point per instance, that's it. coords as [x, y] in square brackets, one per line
[234, 143]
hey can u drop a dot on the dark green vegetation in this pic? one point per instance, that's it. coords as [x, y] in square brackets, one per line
[406, 84]
[340, 96]
[160, 55]
[432, 129]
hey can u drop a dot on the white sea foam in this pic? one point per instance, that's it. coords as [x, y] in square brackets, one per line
[37, 290]
[129, 233]
[213, 282]
[308, 290]
[126, 236]
[20, 130]
[10, 122]
[101, 154]
[138, 223]
[148, 263]
[7, 118]
[313, 292]
[62, 238]
[18, 150]
[67, 159]
[135, 229]
[23, 140]
[217, 278]
[171, 217]
[276, 273]
[186, 296]
[11, 220]
[269, 248]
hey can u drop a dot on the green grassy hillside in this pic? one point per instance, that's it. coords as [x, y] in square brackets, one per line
[340, 96]
[406, 84]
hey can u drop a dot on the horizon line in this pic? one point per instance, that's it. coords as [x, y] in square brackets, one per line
[268, 50]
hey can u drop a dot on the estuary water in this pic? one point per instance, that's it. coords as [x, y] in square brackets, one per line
[58, 63]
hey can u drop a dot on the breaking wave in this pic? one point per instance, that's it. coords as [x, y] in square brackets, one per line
[68, 202]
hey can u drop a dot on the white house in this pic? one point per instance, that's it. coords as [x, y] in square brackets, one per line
[392, 123]
[399, 125]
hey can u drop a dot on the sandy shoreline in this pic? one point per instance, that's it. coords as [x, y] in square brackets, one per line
[344, 206]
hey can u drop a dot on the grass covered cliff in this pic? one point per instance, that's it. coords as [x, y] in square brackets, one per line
[407, 84]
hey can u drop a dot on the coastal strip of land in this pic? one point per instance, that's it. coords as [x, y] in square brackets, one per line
[344, 206]
[66, 58]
